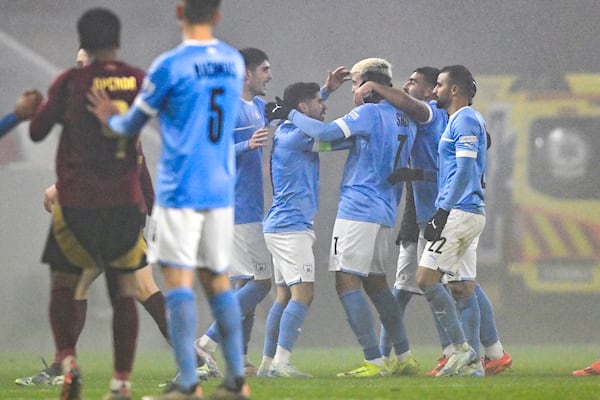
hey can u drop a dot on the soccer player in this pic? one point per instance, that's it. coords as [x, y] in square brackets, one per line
[288, 225]
[96, 222]
[194, 89]
[251, 266]
[147, 292]
[453, 231]
[417, 99]
[26, 106]
[380, 138]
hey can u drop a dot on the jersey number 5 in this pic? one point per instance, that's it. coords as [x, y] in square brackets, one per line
[215, 122]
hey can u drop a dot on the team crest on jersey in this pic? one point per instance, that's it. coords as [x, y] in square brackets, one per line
[308, 268]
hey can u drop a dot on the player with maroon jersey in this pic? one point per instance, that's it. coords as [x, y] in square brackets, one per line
[96, 221]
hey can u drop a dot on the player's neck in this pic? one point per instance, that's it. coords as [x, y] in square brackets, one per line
[247, 94]
[197, 32]
[104, 55]
[456, 105]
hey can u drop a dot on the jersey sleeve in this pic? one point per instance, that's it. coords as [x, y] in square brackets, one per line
[155, 88]
[467, 140]
[51, 111]
[357, 122]
[8, 122]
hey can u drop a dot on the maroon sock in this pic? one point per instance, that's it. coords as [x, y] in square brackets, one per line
[125, 331]
[155, 305]
[80, 312]
[62, 321]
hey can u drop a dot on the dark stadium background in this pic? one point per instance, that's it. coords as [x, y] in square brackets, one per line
[303, 38]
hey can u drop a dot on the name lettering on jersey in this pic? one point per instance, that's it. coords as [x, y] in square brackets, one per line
[401, 120]
[116, 83]
[215, 70]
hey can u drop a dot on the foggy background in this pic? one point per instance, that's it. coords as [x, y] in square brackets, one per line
[303, 38]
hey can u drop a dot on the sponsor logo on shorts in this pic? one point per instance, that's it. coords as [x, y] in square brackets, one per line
[308, 268]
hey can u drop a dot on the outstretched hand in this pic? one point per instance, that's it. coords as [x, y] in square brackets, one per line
[336, 78]
[101, 105]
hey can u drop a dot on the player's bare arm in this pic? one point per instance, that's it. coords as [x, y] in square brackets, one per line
[415, 108]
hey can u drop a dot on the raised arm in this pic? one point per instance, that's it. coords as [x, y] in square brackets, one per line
[416, 109]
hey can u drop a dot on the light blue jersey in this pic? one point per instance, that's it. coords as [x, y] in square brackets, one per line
[249, 202]
[463, 143]
[195, 90]
[295, 176]
[383, 137]
[424, 155]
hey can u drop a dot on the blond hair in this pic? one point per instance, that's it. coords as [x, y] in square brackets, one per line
[373, 64]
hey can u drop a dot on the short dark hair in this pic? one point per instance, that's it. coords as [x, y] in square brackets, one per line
[430, 74]
[460, 76]
[200, 11]
[253, 57]
[297, 92]
[98, 28]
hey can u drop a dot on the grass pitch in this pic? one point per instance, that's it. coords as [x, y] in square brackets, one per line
[538, 373]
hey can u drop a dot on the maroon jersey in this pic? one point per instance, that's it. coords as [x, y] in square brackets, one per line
[94, 166]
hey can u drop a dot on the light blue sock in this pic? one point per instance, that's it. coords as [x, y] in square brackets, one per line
[182, 321]
[272, 329]
[444, 340]
[402, 298]
[213, 332]
[391, 318]
[248, 296]
[360, 319]
[468, 311]
[488, 332]
[226, 312]
[291, 322]
[247, 325]
[444, 309]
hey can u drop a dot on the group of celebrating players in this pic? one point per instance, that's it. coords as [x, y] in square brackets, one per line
[207, 208]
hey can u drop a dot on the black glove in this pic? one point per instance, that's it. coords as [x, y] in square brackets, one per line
[277, 110]
[435, 226]
[405, 174]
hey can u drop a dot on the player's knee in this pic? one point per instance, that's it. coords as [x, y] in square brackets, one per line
[461, 290]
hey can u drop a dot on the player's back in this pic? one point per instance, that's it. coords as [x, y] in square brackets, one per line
[95, 167]
[195, 89]
[383, 138]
